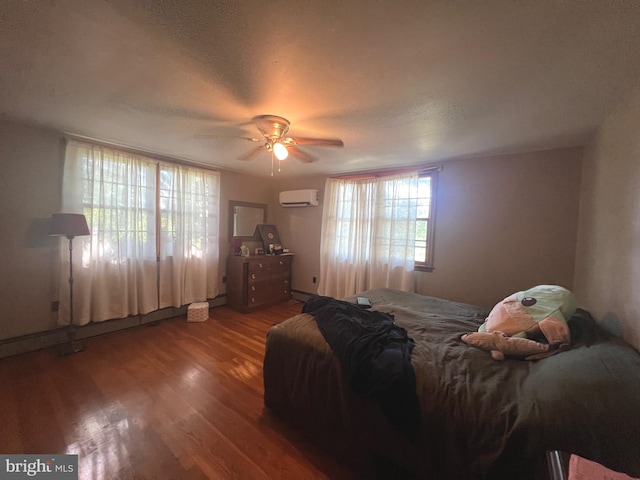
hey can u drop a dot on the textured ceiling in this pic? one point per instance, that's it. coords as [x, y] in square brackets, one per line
[401, 82]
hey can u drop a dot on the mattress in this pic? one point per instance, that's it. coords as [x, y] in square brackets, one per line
[480, 418]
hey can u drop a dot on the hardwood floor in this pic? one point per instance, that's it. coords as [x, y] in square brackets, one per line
[175, 401]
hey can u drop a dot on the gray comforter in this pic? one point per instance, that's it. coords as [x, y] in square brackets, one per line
[479, 418]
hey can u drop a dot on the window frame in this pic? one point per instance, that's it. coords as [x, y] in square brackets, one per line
[428, 264]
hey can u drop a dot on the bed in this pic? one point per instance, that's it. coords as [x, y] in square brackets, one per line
[479, 418]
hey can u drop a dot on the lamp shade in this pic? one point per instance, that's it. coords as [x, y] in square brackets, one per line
[280, 151]
[69, 224]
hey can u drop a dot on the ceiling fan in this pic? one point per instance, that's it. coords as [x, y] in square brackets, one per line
[274, 128]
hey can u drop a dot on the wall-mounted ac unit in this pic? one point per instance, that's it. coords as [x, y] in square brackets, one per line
[299, 198]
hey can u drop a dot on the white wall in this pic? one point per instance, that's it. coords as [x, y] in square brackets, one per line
[608, 249]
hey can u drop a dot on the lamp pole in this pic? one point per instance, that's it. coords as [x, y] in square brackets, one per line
[70, 225]
[71, 346]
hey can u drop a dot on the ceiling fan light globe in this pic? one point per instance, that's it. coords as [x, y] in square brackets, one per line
[280, 151]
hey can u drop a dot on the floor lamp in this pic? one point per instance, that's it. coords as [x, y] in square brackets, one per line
[70, 225]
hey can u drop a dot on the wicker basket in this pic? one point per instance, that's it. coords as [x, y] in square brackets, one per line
[198, 312]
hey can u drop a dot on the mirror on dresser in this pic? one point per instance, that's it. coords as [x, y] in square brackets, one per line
[243, 218]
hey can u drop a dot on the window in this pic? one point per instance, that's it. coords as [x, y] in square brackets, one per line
[118, 199]
[425, 221]
[368, 233]
[377, 229]
[187, 200]
[154, 232]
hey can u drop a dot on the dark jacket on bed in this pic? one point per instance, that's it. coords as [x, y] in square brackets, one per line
[375, 355]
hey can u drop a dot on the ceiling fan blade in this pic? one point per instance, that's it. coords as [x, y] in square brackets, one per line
[300, 155]
[320, 142]
[251, 153]
[213, 135]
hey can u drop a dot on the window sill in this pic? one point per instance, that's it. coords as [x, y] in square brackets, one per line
[423, 268]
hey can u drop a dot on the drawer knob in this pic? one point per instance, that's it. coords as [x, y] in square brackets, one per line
[253, 276]
[253, 289]
[281, 262]
[286, 282]
[253, 300]
[260, 265]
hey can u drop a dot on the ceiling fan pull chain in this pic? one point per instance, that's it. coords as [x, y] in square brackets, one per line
[272, 162]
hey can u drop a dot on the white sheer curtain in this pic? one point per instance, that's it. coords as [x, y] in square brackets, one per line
[368, 234]
[189, 219]
[116, 269]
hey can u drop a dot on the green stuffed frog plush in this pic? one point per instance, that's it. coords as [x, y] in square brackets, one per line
[538, 316]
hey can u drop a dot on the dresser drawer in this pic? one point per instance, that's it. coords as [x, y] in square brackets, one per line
[269, 264]
[258, 281]
[274, 284]
[267, 275]
[263, 295]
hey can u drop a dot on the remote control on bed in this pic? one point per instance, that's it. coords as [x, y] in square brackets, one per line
[363, 302]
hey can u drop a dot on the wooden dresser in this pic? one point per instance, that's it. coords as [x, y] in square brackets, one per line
[258, 281]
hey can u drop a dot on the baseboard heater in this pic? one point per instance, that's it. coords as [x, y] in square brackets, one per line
[301, 296]
[49, 338]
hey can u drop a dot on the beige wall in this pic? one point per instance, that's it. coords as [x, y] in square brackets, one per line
[245, 188]
[299, 229]
[608, 251]
[504, 223]
[31, 161]
[30, 179]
